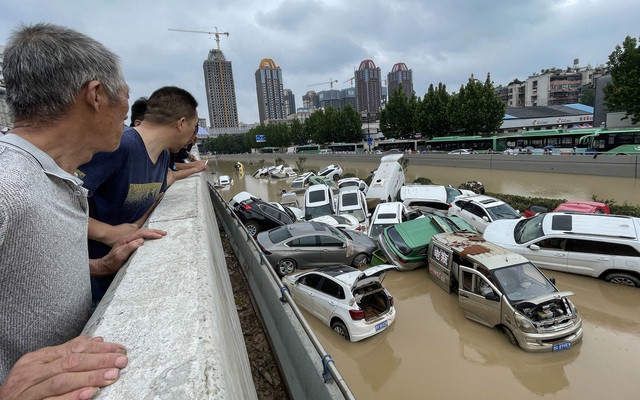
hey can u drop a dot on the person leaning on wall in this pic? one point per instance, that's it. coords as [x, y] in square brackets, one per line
[68, 99]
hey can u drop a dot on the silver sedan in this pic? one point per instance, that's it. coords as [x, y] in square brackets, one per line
[313, 244]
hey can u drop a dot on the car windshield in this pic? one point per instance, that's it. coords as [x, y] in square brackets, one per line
[297, 184]
[338, 233]
[398, 241]
[503, 211]
[350, 199]
[523, 282]
[528, 229]
[359, 214]
[376, 229]
[452, 193]
[319, 211]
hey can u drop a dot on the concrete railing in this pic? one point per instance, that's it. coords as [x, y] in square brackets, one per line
[172, 307]
[309, 372]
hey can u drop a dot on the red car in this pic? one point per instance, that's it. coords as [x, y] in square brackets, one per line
[587, 207]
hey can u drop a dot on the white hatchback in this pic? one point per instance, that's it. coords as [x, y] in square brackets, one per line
[352, 302]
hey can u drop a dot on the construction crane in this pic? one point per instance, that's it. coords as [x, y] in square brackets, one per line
[224, 92]
[350, 80]
[330, 83]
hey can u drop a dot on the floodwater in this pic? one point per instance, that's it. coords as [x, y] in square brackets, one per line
[432, 351]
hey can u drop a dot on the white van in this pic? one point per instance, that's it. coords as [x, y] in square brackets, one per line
[387, 181]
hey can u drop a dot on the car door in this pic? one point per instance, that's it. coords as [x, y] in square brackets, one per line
[333, 250]
[326, 300]
[305, 290]
[588, 257]
[475, 216]
[474, 286]
[305, 250]
[548, 253]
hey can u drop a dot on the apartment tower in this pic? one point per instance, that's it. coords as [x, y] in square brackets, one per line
[221, 92]
[400, 75]
[270, 91]
[368, 88]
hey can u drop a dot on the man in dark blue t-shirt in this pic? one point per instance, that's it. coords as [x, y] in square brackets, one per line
[125, 185]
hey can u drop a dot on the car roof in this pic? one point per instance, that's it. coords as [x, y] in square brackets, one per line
[484, 200]
[475, 248]
[591, 224]
[435, 192]
[393, 206]
[418, 232]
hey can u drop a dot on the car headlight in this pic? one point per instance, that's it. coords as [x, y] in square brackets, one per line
[524, 324]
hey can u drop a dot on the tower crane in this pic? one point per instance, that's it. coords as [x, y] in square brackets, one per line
[224, 92]
[330, 83]
[350, 80]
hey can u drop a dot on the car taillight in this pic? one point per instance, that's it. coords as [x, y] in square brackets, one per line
[263, 249]
[356, 314]
[359, 228]
[246, 207]
[402, 260]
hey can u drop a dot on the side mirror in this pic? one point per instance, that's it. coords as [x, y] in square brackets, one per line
[369, 215]
[534, 247]
[344, 245]
[492, 296]
[552, 280]
[485, 218]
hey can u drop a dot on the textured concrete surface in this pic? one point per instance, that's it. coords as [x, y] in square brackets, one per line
[172, 306]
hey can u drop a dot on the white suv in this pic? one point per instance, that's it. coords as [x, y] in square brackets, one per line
[480, 210]
[599, 245]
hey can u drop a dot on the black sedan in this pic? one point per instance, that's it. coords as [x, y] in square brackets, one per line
[258, 215]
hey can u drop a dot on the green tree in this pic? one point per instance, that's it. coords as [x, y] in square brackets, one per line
[432, 116]
[396, 118]
[297, 133]
[477, 107]
[623, 92]
[350, 125]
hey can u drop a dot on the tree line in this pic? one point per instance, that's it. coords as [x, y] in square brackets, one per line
[475, 109]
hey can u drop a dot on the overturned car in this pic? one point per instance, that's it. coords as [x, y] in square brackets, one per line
[501, 289]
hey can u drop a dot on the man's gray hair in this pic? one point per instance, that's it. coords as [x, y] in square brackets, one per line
[46, 66]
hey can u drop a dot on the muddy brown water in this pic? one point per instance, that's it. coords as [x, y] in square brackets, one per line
[433, 352]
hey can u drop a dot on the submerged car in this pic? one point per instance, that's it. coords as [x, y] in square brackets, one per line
[480, 210]
[352, 302]
[332, 171]
[310, 244]
[356, 182]
[582, 206]
[405, 245]
[388, 214]
[258, 215]
[438, 197]
[352, 202]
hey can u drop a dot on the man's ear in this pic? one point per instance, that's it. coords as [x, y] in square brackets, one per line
[95, 94]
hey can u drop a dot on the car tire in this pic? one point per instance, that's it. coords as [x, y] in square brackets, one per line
[512, 338]
[359, 260]
[621, 278]
[252, 227]
[340, 328]
[286, 266]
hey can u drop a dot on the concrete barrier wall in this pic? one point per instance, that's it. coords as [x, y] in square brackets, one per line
[301, 360]
[172, 307]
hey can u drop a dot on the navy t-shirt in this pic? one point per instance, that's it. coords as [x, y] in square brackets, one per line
[123, 184]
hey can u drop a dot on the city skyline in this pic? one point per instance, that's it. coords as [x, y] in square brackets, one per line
[317, 41]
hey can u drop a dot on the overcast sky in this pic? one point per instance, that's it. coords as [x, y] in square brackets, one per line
[317, 41]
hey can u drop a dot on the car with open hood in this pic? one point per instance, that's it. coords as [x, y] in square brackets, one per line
[504, 290]
[352, 302]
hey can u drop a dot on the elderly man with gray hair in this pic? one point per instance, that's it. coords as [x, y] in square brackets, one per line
[69, 100]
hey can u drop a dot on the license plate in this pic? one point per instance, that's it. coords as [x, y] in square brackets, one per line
[381, 325]
[561, 346]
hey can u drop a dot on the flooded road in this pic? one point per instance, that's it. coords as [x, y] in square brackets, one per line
[432, 351]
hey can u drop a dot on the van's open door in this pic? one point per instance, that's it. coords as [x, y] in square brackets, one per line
[481, 300]
[439, 262]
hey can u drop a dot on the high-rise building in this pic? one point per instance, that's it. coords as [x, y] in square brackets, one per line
[348, 96]
[289, 102]
[368, 88]
[311, 100]
[400, 75]
[330, 98]
[221, 92]
[270, 91]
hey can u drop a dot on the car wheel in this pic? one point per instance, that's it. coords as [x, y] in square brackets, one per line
[336, 177]
[511, 336]
[359, 260]
[620, 278]
[286, 267]
[339, 328]
[252, 227]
